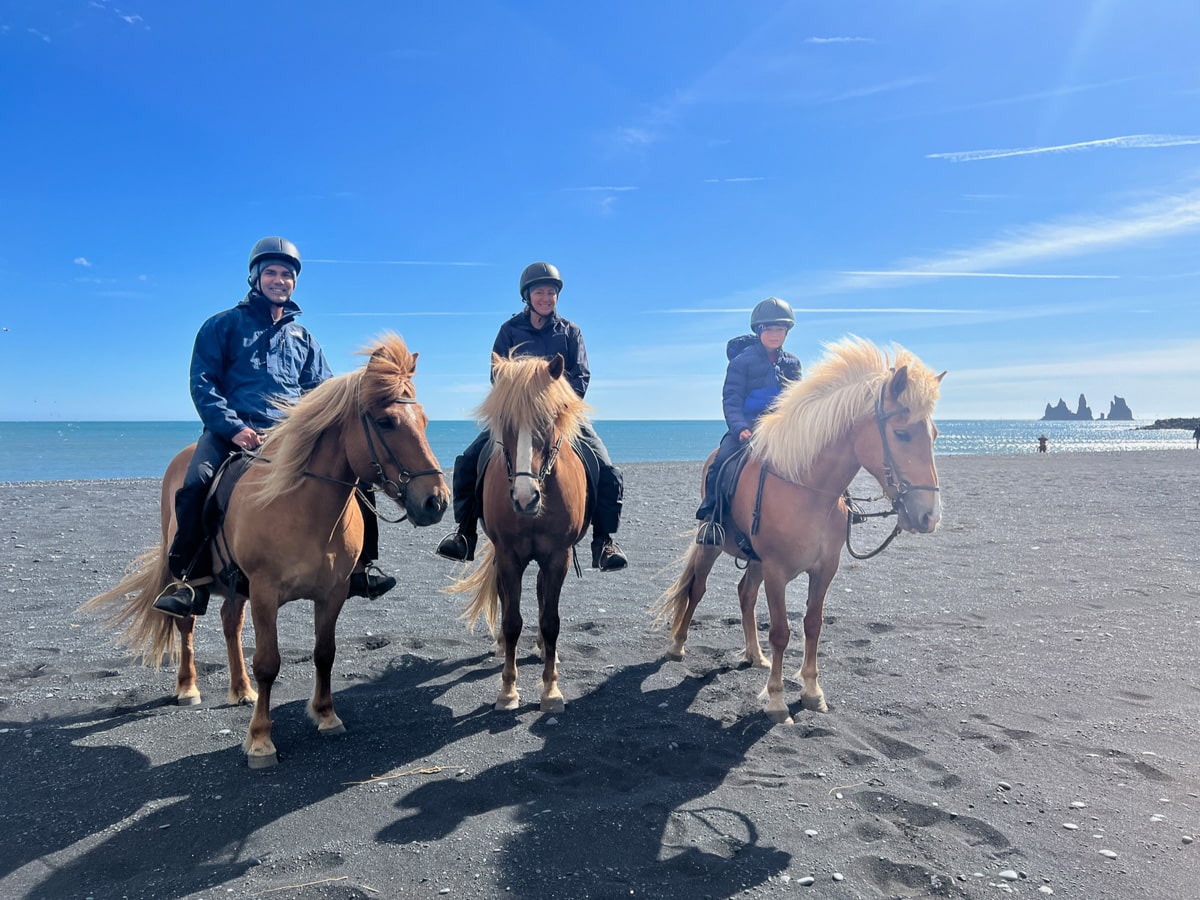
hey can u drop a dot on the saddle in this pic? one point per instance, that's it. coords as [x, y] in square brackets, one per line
[591, 470]
[215, 506]
[727, 481]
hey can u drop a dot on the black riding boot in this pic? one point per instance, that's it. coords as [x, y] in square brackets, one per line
[188, 558]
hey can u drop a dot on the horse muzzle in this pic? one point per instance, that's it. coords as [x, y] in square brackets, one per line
[919, 511]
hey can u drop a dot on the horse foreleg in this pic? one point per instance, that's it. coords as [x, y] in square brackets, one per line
[508, 585]
[747, 599]
[779, 636]
[687, 593]
[811, 695]
[187, 692]
[549, 586]
[233, 617]
[260, 750]
[320, 708]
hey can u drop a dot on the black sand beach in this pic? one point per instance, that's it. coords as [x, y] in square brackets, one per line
[1015, 710]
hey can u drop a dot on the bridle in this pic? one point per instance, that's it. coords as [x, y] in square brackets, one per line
[896, 484]
[547, 467]
[396, 488]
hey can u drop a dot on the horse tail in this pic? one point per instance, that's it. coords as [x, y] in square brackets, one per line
[672, 602]
[130, 607]
[482, 581]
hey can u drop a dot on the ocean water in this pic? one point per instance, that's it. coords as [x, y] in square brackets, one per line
[65, 451]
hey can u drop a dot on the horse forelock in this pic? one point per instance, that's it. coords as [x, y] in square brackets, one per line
[389, 371]
[524, 396]
[839, 390]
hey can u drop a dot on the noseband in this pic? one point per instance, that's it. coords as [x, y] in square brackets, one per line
[547, 469]
[896, 487]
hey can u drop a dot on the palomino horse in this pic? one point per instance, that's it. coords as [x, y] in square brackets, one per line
[534, 510]
[293, 528]
[855, 410]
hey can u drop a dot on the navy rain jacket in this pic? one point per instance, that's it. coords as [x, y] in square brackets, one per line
[558, 335]
[242, 361]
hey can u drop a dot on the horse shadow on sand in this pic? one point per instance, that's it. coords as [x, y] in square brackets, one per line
[611, 800]
[611, 803]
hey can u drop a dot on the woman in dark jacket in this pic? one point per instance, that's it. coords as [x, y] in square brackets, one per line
[758, 370]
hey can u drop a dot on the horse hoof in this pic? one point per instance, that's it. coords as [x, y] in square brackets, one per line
[507, 704]
[187, 700]
[814, 704]
[675, 655]
[332, 731]
[780, 717]
[262, 761]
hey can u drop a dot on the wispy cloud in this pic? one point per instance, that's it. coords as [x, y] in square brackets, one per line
[1134, 141]
[839, 40]
[42, 36]
[885, 87]
[611, 189]
[409, 314]
[898, 273]
[1157, 219]
[395, 262]
[818, 310]
[736, 180]
[82, 261]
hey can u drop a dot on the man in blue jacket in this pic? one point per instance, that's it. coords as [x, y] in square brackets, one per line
[246, 359]
[755, 376]
[538, 330]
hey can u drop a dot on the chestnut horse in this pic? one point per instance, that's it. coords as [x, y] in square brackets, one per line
[534, 510]
[293, 528]
[855, 410]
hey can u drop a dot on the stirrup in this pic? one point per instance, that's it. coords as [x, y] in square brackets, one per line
[371, 583]
[711, 533]
[458, 546]
[607, 556]
[183, 599]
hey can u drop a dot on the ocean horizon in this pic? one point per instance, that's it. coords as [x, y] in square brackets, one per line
[86, 451]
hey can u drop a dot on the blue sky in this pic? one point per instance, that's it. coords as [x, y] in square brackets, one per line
[1009, 189]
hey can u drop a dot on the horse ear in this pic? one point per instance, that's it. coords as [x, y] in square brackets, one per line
[899, 383]
[943, 375]
[414, 362]
[557, 365]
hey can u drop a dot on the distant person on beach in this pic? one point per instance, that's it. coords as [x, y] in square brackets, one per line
[1042, 441]
[538, 330]
[758, 370]
[1196, 435]
[244, 360]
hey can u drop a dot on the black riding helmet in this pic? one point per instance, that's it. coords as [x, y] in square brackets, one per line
[772, 311]
[539, 273]
[270, 249]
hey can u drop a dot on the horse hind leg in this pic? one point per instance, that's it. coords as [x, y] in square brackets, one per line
[748, 587]
[187, 691]
[681, 599]
[320, 708]
[233, 617]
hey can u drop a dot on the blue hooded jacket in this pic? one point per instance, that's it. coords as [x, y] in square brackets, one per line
[242, 362]
[752, 382]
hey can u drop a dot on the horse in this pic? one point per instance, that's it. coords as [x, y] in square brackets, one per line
[534, 510]
[857, 409]
[293, 528]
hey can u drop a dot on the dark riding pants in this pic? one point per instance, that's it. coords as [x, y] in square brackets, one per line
[189, 551]
[610, 492]
[728, 447]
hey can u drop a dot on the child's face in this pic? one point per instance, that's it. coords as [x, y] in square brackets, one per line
[773, 336]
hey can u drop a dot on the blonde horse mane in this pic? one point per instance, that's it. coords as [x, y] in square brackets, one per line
[523, 395]
[840, 389]
[339, 401]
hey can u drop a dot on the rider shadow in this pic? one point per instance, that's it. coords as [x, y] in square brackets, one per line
[87, 813]
[608, 803]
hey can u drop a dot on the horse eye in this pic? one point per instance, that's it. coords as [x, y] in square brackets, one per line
[386, 423]
[902, 436]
